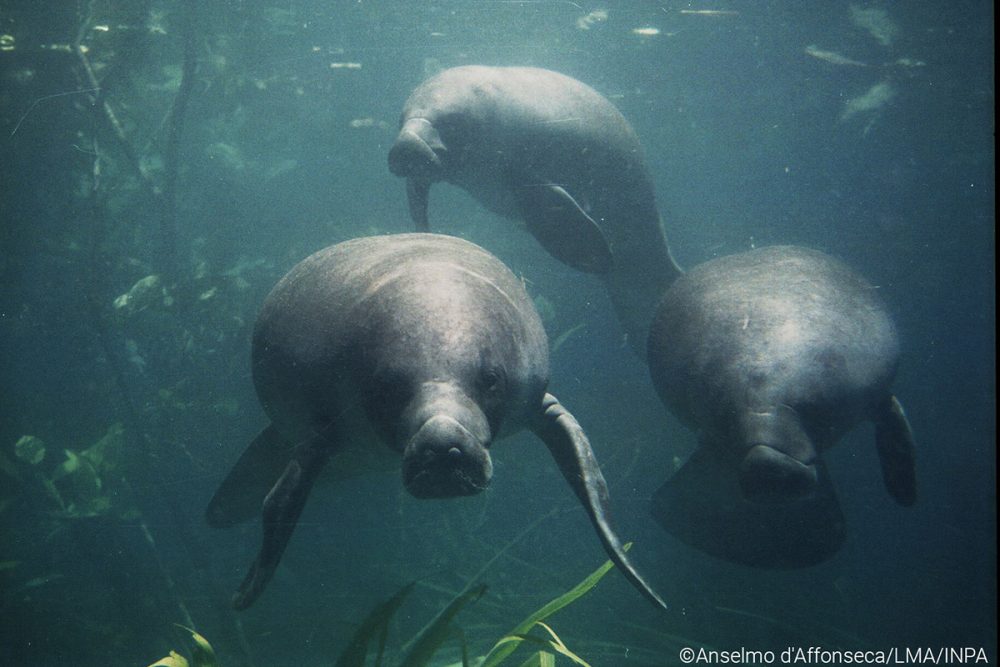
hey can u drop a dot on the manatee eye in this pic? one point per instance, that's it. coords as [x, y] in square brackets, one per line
[446, 120]
[389, 387]
[451, 127]
[492, 382]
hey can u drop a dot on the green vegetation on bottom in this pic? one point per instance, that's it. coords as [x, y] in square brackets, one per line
[423, 647]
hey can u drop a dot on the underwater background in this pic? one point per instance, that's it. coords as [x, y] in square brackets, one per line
[164, 163]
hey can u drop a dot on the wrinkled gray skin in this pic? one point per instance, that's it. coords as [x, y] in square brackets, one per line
[773, 354]
[425, 342]
[539, 146]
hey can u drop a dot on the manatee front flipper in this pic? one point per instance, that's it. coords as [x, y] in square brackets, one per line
[417, 192]
[702, 505]
[896, 451]
[241, 494]
[569, 446]
[282, 508]
[563, 228]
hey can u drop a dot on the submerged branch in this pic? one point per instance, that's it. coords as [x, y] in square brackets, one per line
[107, 113]
[175, 127]
[165, 197]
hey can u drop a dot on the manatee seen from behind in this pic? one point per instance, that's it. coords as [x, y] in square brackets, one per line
[772, 355]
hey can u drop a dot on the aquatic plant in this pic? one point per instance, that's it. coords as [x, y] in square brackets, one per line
[202, 655]
[509, 642]
[375, 624]
[373, 631]
[439, 630]
[87, 483]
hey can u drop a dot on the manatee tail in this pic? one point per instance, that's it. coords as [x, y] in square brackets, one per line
[569, 446]
[638, 282]
[896, 452]
[703, 506]
[417, 193]
[281, 512]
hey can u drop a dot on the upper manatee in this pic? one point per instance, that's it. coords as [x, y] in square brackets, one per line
[538, 146]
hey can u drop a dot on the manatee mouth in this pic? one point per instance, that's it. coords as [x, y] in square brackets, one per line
[417, 151]
[443, 459]
[450, 484]
[769, 476]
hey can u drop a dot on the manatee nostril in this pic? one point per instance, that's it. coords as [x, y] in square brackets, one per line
[444, 459]
[443, 453]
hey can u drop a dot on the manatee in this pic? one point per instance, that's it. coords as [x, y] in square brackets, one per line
[424, 342]
[772, 355]
[538, 146]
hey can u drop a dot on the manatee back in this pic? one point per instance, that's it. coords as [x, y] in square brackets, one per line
[769, 327]
[532, 123]
[522, 97]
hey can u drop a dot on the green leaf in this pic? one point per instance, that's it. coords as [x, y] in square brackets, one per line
[69, 466]
[377, 622]
[30, 449]
[175, 659]
[465, 650]
[540, 659]
[559, 646]
[438, 631]
[510, 642]
[203, 654]
[556, 645]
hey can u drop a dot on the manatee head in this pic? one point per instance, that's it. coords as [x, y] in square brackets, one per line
[418, 151]
[441, 121]
[449, 361]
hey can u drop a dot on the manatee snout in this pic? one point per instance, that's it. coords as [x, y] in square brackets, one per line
[445, 459]
[417, 151]
[779, 460]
